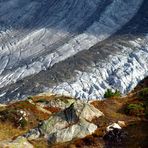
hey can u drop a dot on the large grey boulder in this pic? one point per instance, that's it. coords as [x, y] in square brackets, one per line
[72, 122]
[78, 130]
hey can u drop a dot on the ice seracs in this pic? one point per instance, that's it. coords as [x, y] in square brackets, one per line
[120, 71]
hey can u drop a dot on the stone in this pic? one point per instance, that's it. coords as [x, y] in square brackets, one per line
[112, 127]
[32, 134]
[122, 123]
[79, 130]
[115, 135]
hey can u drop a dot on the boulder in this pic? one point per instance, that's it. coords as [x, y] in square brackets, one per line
[79, 130]
[115, 136]
[72, 122]
[112, 127]
[84, 110]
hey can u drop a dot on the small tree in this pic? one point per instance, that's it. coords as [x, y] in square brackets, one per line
[117, 93]
[109, 93]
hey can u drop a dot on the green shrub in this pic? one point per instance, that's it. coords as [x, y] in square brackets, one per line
[117, 93]
[23, 123]
[136, 109]
[13, 116]
[109, 93]
[144, 94]
[42, 101]
[30, 97]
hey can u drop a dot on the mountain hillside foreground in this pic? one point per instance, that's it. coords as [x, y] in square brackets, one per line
[49, 120]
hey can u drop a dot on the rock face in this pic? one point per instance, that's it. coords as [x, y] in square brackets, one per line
[72, 122]
[56, 49]
[79, 130]
[20, 142]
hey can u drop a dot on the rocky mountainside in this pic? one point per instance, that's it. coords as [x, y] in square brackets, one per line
[53, 118]
[56, 121]
[74, 48]
[58, 58]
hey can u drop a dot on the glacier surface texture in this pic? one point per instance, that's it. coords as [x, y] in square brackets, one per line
[77, 48]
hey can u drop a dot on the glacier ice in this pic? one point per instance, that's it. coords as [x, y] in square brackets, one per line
[36, 35]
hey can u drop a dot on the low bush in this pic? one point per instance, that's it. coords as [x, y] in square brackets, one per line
[13, 116]
[110, 94]
[23, 123]
[144, 94]
[42, 101]
[30, 97]
[136, 109]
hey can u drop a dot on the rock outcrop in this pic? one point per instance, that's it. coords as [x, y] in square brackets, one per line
[70, 123]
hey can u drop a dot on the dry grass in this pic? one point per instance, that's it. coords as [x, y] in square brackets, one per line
[40, 143]
[48, 98]
[7, 130]
[113, 109]
[31, 108]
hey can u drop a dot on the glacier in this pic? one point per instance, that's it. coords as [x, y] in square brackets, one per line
[37, 36]
[122, 71]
